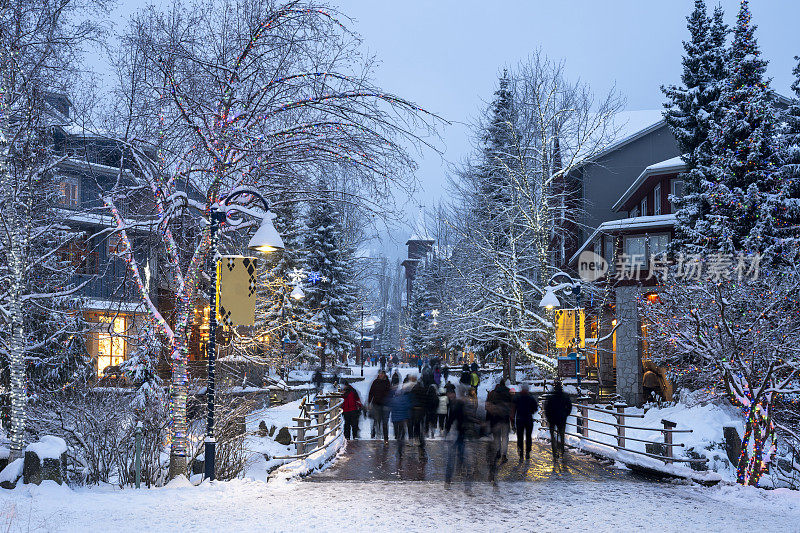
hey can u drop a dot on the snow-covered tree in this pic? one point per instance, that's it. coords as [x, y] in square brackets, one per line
[234, 94]
[736, 338]
[692, 111]
[502, 269]
[787, 202]
[276, 339]
[329, 296]
[423, 335]
[39, 43]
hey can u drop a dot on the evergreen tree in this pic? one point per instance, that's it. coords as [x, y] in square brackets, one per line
[279, 314]
[495, 189]
[787, 201]
[329, 297]
[424, 301]
[745, 151]
[691, 112]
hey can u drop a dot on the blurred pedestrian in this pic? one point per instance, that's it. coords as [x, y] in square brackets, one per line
[441, 410]
[395, 379]
[523, 407]
[445, 373]
[431, 407]
[419, 408]
[437, 376]
[351, 411]
[401, 412]
[426, 375]
[498, 414]
[464, 380]
[557, 409]
[383, 362]
[378, 399]
[462, 420]
[317, 379]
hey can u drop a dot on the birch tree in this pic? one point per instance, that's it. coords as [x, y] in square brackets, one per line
[237, 94]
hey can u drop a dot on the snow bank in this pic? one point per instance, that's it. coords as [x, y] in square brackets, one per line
[48, 447]
[12, 472]
[317, 461]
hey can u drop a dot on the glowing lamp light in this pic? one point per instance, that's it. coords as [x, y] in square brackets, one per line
[267, 239]
[297, 293]
[549, 300]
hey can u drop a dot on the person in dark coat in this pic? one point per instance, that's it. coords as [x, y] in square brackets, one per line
[426, 376]
[431, 407]
[498, 415]
[465, 375]
[317, 379]
[445, 373]
[474, 367]
[462, 418]
[378, 400]
[556, 410]
[419, 408]
[395, 379]
[523, 407]
[351, 411]
[383, 362]
[401, 413]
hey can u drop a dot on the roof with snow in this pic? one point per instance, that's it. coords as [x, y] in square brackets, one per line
[629, 126]
[627, 224]
[672, 165]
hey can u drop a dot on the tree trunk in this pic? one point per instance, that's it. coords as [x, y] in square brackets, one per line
[758, 442]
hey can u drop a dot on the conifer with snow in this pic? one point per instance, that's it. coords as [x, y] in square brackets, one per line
[692, 109]
[329, 295]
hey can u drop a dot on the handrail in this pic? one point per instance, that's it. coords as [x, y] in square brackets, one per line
[328, 421]
[626, 437]
[662, 457]
[582, 426]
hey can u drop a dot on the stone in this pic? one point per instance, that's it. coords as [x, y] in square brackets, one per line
[697, 467]
[55, 469]
[733, 444]
[262, 429]
[284, 437]
[198, 466]
[32, 469]
[656, 448]
[272, 430]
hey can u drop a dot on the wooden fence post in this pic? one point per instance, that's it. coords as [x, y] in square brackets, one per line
[320, 404]
[582, 422]
[668, 425]
[620, 424]
[301, 435]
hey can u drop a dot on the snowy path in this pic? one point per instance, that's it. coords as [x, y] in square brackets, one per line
[401, 506]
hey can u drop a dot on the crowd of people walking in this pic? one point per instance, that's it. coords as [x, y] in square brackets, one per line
[428, 405]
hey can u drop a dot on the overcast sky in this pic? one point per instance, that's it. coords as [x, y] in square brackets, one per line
[446, 54]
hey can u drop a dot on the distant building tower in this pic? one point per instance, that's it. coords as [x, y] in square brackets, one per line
[418, 249]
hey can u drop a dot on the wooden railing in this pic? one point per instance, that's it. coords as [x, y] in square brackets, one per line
[582, 431]
[317, 421]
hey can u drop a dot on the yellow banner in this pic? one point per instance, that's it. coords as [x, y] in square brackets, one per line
[565, 328]
[236, 290]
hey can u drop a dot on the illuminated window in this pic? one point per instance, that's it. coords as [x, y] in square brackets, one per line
[69, 193]
[110, 342]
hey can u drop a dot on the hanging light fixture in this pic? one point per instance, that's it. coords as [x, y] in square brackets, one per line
[267, 239]
[297, 293]
[549, 300]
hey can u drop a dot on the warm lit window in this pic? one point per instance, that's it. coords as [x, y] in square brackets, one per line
[69, 193]
[110, 342]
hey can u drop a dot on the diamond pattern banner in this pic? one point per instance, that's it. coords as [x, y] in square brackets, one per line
[236, 290]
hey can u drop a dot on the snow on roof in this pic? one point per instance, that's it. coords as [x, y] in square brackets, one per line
[653, 221]
[675, 164]
[627, 127]
[94, 304]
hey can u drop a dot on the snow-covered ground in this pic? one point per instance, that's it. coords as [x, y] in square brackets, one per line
[247, 505]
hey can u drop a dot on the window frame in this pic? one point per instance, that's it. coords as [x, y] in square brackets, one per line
[657, 199]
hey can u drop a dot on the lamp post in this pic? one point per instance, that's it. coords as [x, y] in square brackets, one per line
[266, 239]
[550, 301]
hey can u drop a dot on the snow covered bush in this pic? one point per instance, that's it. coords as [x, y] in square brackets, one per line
[736, 338]
[99, 427]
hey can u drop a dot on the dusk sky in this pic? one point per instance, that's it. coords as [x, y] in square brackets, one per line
[446, 55]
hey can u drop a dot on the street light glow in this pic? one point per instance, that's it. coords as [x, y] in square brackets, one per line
[267, 239]
[549, 300]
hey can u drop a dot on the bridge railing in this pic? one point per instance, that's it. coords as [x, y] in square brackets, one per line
[582, 430]
[318, 421]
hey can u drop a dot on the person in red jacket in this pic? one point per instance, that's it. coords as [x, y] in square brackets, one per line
[351, 410]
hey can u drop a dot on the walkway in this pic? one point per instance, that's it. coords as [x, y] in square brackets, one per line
[372, 460]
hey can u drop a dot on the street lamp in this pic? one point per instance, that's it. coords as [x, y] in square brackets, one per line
[297, 293]
[266, 239]
[549, 300]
